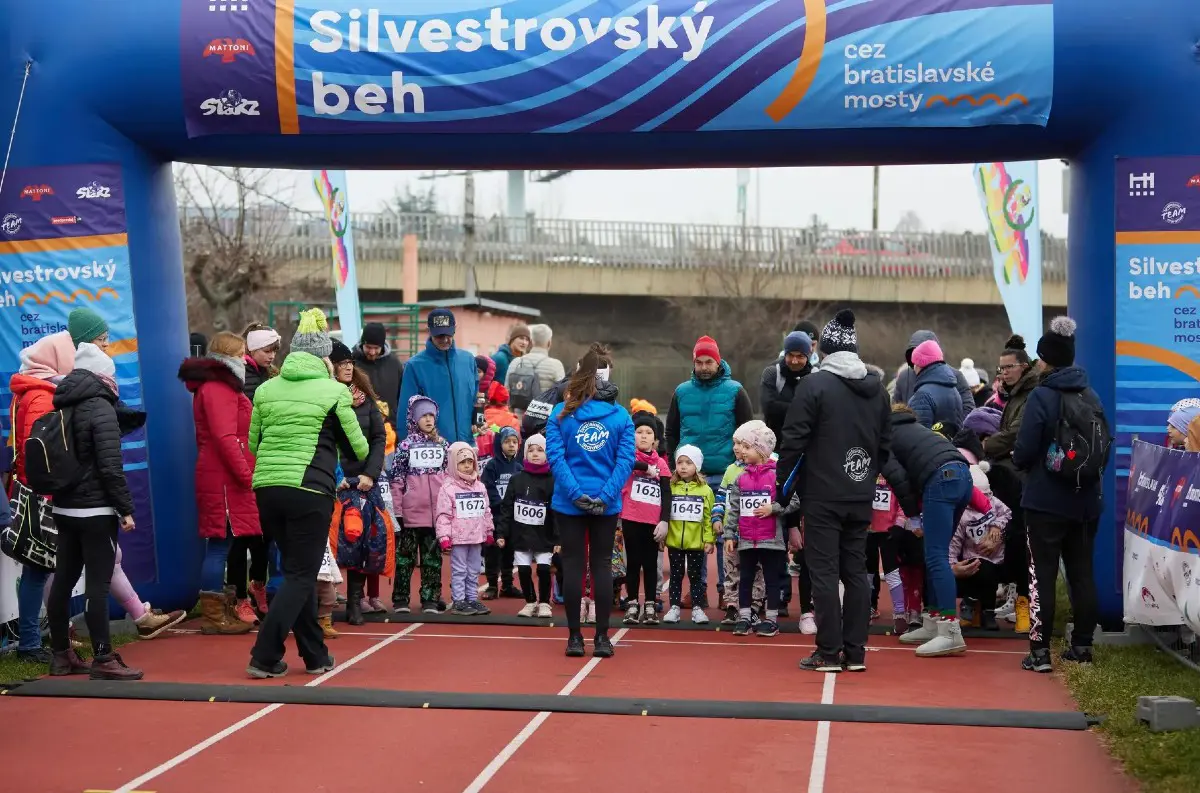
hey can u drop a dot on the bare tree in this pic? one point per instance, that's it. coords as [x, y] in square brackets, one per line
[910, 223]
[232, 221]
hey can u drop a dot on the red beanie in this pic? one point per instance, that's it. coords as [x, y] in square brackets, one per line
[497, 394]
[706, 345]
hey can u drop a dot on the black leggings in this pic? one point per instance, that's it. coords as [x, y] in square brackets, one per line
[525, 574]
[774, 567]
[587, 538]
[642, 552]
[881, 547]
[91, 544]
[694, 562]
[259, 548]
[803, 582]
[236, 569]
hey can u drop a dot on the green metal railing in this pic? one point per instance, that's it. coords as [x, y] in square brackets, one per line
[401, 321]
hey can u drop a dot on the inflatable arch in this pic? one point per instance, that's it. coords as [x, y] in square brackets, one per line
[106, 95]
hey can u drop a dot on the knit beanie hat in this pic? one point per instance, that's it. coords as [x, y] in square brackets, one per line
[92, 358]
[926, 353]
[538, 440]
[85, 325]
[1188, 402]
[339, 352]
[691, 452]
[979, 478]
[983, 421]
[1057, 345]
[1180, 419]
[839, 334]
[642, 406]
[706, 346]
[507, 432]
[518, 330]
[644, 419]
[198, 344]
[373, 333]
[497, 394]
[809, 327]
[798, 342]
[757, 435]
[969, 372]
[312, 334]
[423, 407]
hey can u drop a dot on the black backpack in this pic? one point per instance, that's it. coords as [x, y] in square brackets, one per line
[1082, 441]
[50, 463]
[523, 384]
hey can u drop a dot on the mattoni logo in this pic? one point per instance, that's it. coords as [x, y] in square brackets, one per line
[229, 49]
[36, 191]
[1177, 493]
[228, 5]
[93, 191]
[1194, 181]
[65, 220]
[11, 224]
[230, 103]
[1141, 185]
[1174, 213]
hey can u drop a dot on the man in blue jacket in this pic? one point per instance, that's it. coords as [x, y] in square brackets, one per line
[447, 375]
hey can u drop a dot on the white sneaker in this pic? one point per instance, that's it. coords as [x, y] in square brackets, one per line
[544, 611]
[528, 610]
[949, 640]
[698, 616]
[672, 615]
[928, 630]
[808, 624]
[1009, 607]
[591, 615]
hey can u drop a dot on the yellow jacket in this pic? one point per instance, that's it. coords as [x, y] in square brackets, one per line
[690, 534]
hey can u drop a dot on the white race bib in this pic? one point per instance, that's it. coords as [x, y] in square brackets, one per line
[529, 513]
[753, 499]
[646, 491]
[426, 455]
[883, 498]
[689, 509]
[977, 531]
[502, 485]
[469, 505]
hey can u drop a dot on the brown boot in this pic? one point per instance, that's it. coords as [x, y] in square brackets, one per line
[112, 667]
[68, 662]
[327, 628]
[217, 618]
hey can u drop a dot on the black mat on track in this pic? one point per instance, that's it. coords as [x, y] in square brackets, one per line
[534, 703]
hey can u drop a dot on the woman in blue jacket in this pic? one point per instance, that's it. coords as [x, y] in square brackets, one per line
[590, 445]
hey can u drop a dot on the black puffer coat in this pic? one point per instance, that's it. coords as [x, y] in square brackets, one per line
[520, 536]
[917, 452]
[534, 420]
[97, 424]
[370, 421]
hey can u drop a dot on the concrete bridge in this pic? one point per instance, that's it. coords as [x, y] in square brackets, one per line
[633, 259]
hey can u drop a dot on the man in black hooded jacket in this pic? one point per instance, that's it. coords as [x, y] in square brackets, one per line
[835, 439]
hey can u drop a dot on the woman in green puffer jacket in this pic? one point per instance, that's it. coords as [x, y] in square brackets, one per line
[302, 420]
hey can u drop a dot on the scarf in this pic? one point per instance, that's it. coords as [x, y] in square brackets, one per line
[357, 396]
[235, 365]
[537, 468]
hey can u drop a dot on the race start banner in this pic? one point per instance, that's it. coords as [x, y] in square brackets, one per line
[1157, 299]
[1162, 537]
[1008, 192]
[335, 203]
[64, 244]
[336, 67]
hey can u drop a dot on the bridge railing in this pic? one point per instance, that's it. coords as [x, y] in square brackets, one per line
[590, 243]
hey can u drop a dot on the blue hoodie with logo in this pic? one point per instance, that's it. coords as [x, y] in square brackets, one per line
[591, 453]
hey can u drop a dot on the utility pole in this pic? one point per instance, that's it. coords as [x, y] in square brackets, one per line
[875, 201]
[469, 234]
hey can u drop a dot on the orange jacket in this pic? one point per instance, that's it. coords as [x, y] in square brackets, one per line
[500, 416]
[32, 399]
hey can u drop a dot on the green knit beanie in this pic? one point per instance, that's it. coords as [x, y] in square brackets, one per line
[85, 325]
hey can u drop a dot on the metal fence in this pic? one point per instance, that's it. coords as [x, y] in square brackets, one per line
[379, 237]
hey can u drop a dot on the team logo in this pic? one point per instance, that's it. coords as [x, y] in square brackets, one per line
[1148, 599]
[36, 191]
[93, 191]
[1174, 213]
[230, 103]
[11, 224]
[858, 464]
[65, 220]
[229, 49]
[591, 435]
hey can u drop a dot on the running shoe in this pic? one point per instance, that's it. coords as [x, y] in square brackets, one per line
[321, 668]
[859, 665]
[649, 614]
[243, 611]
[731, 616]
[672, 615]
[1008, 606]
[741, 627]
[401, 608]
[808, 623]
[430, 607]
[544, 611]
[462, 608]
[818, 663]
[1037, 661]
[479, 609]
[528, 610]
[767, 629]
[698, 616]
[258, 671]
[40, 655]
[632, 614]
[602, 647]
[154, 622]
[489, 592]
[377, 606]
[575, 646]
[1079, 655]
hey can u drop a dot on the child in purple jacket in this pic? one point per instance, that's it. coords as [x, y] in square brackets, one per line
[977, 553]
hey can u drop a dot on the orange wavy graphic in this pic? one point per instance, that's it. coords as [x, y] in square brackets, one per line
[44, 299]
[1187, 290]
[945, 100]
[815, 18]
[122, 346]
[1148, 352]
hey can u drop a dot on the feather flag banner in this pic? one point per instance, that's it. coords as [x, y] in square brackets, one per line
[1008, 192]
[331, 189]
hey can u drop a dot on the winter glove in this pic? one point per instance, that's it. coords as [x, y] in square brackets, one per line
[652, 471]
[445, 543]
[584, 503]
[491, 539]
[597, 507]
[660, 531]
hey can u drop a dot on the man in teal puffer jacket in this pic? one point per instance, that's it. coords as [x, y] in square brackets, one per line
[704, 412]
[448, 376]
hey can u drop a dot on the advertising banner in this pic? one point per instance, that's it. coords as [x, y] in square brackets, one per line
[1008, 192]
[479, 66]
[1157, 299]
[1162, 537]
[331, 189]
[64, 244]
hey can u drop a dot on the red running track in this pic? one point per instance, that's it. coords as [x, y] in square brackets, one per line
[70, 746]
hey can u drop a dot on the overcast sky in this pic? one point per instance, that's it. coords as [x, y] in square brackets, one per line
[944, 196]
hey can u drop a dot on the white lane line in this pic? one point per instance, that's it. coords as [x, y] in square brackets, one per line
[184, 756]
[816, 776]
[505, 754]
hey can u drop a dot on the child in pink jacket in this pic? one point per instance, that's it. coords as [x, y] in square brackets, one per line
[464, 525]
[885, 545]
[977, 553]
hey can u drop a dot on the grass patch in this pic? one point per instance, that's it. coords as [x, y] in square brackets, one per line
[13, 669]
[1166, 762]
